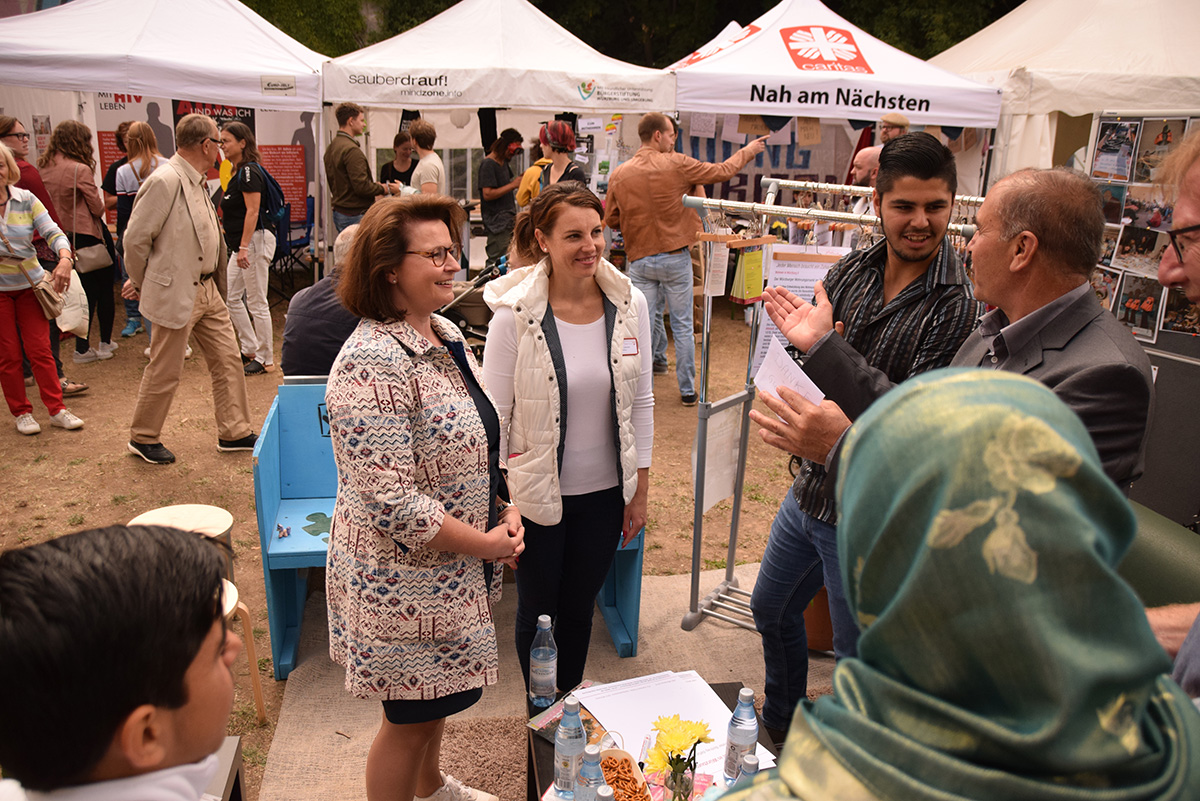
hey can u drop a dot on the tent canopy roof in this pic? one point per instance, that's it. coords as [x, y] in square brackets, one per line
[799, 58]
[211, 50]
[493, 53]
[1083, 56]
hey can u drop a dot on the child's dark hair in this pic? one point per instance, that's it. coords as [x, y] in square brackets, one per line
[93, 625]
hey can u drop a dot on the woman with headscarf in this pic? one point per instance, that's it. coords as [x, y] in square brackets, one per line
[1001, 656]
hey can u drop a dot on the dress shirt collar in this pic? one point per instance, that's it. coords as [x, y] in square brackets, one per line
[995, 325]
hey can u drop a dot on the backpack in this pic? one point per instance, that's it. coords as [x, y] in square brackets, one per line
[272, 206]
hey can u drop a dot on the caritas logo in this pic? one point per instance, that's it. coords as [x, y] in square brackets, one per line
[815, 47]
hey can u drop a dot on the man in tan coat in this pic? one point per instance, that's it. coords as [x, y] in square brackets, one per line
[176, 263]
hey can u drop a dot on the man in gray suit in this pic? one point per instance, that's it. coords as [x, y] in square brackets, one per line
[1037, 241]
[176, 262]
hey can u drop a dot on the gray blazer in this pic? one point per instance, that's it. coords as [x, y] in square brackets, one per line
[1096, 367]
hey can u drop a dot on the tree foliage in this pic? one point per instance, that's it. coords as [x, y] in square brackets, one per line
[653, 33]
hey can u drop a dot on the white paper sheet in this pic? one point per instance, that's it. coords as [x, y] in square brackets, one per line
[798, 277]
[703, 125]
[721, 455]
[718, 268]
[779, 369]
[631, 707]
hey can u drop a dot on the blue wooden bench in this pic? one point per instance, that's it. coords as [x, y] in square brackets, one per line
[295, 481]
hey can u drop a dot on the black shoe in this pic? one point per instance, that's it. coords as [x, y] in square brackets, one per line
[243, 444]
[247, 359]
[688, 400]
[153, 452]
[254, 367]
[660, 368]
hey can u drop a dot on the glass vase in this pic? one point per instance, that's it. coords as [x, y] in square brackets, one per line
[680, 784]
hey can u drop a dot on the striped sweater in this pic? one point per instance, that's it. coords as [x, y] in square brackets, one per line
[23, 213]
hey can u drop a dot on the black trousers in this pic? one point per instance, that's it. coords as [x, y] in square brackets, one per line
[560, 573]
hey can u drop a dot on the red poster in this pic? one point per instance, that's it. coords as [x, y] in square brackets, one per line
[286, 164]
[108, 154]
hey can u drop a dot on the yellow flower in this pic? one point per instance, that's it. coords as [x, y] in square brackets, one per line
[674, 746]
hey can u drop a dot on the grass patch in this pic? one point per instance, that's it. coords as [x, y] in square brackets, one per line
[79, 460]
[41, 457]
[121, 500]
[75, 520]
[264, 663]
[253, 755]
[714, 564]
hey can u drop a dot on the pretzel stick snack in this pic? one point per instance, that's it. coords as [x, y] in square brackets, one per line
[619, 775]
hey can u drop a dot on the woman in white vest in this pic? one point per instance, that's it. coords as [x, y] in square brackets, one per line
[568, 362]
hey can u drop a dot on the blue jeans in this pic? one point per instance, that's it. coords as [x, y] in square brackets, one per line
[669, 275]
[801, 555]
[343, 221]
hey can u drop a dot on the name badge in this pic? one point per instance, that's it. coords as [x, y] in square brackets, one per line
[629, 347]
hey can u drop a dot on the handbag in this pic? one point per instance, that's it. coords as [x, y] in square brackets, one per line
[74, 317]
[47, 297]
[92, 257]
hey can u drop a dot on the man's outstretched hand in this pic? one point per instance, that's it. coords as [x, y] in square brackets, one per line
[805, 429]
[799, 321]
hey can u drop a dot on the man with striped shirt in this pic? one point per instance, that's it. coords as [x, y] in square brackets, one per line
[902, 307]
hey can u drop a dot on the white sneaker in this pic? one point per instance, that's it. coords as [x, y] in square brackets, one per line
[91, 355]
[146, 352]
[65, 419]
[105, 350]
[454, 790]
[28, 426]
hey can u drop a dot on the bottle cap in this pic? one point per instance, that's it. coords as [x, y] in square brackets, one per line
[604, 792]
[592, 750]
[570, 704]
[746, 696]
[749, 763]
[543, 621]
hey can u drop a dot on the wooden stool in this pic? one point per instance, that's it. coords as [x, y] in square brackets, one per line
[208, 521]
[232, 606]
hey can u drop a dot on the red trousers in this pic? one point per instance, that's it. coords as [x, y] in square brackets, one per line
[20, 312]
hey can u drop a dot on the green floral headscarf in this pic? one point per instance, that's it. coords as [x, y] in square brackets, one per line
[1001, 656]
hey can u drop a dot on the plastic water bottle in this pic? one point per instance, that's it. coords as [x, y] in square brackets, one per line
[747, 769]
[569, 741]
[591, 778]
[743, 733]
[543, 665]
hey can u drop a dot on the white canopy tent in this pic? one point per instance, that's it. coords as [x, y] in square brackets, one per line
[1076, 57]
[801, 59]
[210, 50]
[493, 53]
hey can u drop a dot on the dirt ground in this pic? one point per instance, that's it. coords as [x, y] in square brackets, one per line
[62, 481]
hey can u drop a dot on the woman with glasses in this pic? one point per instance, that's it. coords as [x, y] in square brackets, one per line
[568, 361]
[251, 245]
[419, 526]
[14, 135]
[68, 167]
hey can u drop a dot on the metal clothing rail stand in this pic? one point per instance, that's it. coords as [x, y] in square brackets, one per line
[727, 596]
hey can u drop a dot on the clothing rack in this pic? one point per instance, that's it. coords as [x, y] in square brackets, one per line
[844, 189]
[772, 210]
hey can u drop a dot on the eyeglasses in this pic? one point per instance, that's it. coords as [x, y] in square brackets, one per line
[214, 141]
[438, 255]
[24, 137]
[1175, 241]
